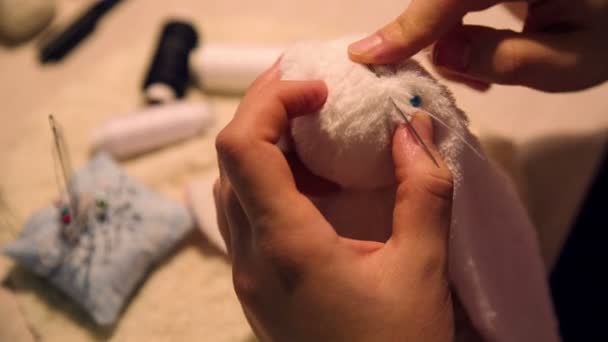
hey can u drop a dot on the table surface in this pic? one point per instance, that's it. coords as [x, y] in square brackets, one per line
[559, 138]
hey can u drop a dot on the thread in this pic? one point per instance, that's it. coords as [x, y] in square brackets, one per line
[168, 73]
[227, 68]
[133, 134]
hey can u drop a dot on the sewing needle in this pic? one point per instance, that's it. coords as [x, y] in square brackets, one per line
[65, 165]
[426, 149]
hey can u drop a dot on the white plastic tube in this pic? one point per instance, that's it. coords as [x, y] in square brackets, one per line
[152, 128]
[228, 68]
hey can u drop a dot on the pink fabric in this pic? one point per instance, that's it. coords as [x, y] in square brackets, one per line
[494, 258]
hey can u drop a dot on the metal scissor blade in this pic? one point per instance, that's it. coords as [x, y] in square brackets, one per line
[407, 121]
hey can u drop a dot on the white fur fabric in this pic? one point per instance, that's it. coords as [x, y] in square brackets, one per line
[494, 260]
[356, 125]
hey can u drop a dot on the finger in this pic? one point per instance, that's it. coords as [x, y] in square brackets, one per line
[424, 193]
[480, 86]
[257, 169]
[271, 74]
[239, 229]
[221, 217]
[421, 24]
[549, 62]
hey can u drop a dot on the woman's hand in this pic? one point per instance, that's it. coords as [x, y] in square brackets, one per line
[297, 280]
[560, 49]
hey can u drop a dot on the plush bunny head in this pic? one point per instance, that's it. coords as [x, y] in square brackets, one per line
[349, 140]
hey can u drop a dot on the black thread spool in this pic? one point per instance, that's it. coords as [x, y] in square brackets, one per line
[168, 74]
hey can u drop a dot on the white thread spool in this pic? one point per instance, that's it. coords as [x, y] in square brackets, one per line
[152, 128]
[228, 68]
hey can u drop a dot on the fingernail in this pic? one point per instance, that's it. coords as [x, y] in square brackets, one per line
[420, 125]
[423, 125]
[452, 53]
[366, 45]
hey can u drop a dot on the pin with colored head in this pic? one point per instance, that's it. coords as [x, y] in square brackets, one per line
[72, 214]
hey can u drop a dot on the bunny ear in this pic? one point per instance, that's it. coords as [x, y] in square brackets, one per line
[495, 261]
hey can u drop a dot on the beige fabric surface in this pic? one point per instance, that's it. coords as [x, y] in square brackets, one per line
[189, 297]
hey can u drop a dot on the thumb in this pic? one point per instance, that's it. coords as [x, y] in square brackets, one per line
[423, 201]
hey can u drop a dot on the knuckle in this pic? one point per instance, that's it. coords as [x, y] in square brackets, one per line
[440, 184]
[279, 250]
[246, 285]
[228, 144]
[268, 246]
[511, 65]
[225, 141]
[412, 26]
[288, 263]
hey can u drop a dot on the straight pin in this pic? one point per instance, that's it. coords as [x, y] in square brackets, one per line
[64, 163]
[74, 218]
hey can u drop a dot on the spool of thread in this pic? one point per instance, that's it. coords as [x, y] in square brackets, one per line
[133, 134]
[228, 68]
[168, 74]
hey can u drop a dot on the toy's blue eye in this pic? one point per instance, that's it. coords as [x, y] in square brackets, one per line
[416, 100]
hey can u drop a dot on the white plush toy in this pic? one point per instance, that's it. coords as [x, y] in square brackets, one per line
[494, 261]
